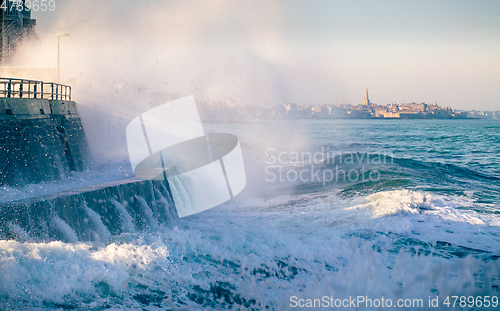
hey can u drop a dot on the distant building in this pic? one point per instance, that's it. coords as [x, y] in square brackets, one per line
[16, 27]
[229, 103]
[390, 114]
[290, 108]
[367, 99]
[266, 112]
[379, 111]
[412, 107]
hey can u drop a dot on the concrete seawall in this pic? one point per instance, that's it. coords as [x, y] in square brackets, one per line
[89, 214]
[40, 140]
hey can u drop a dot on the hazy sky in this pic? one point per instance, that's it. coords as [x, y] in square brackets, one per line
[272, 52]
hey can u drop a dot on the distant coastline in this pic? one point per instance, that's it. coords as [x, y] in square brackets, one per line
[228, 111]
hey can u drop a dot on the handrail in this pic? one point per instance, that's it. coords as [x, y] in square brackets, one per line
[22, 88]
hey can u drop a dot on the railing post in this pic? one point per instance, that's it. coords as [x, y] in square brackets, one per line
[8, 88]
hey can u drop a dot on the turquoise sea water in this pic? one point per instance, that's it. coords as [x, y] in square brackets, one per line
[443, 156]
[415, 216]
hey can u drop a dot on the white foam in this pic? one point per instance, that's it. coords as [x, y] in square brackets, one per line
[254, 259]
[304, 245]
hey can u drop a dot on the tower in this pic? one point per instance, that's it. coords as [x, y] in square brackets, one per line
[367, 99]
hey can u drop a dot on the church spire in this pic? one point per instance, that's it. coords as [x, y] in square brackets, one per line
[367, 99]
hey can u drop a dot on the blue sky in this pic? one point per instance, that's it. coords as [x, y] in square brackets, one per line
[271, 52]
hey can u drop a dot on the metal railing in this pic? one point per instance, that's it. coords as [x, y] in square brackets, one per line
[21, 88]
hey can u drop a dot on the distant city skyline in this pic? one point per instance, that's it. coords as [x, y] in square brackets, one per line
[228, 111]
[277, 52]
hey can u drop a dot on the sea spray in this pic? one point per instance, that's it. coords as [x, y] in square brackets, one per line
[154, 204]
[20, 234]
[98, 226]
[168, 208]
[180, 195]
[59, 227]
[152, 222]
[127, 221]
[63, 229]
[167, 196]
